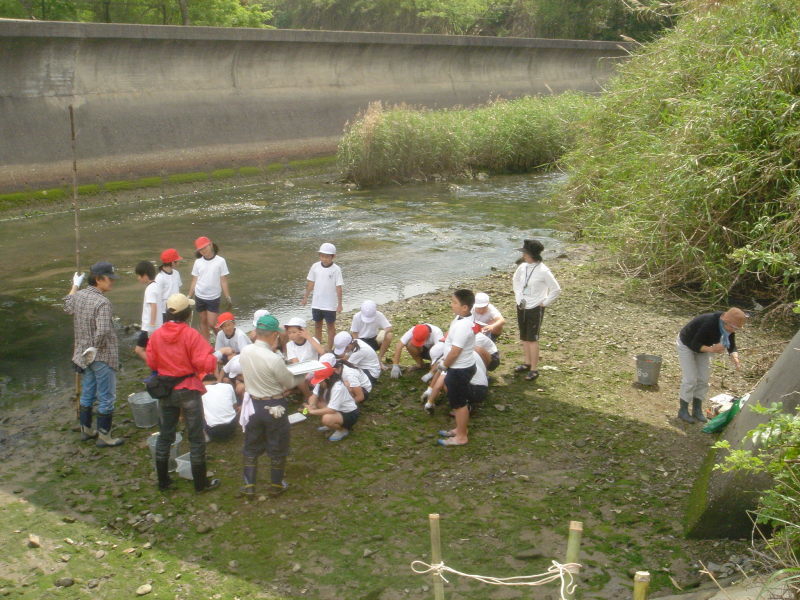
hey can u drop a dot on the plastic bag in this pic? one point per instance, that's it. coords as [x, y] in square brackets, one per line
[721, 421]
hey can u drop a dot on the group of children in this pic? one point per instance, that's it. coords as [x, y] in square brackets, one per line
[351, 362]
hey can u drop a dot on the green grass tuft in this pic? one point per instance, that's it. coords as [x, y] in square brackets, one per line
[250, 171]
[223, 173]
[187, 177]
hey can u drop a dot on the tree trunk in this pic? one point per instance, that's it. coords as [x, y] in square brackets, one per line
[184, 6]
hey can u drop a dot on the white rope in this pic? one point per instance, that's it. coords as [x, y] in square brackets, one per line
[558, 571]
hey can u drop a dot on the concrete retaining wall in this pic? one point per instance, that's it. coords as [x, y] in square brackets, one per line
[159, 99]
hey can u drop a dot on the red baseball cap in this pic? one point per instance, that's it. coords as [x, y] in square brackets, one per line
[322, 374]
[201, 242]
[226, 316]
[170, 255]
[419, 335]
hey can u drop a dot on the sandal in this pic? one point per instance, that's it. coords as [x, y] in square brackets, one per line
[522, 368]
[445, 433]
[532, 376]
[447, 442]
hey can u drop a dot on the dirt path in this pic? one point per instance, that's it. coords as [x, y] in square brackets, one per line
[581, 443]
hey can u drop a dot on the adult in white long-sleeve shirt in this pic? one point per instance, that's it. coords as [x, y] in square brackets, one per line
[534, 289]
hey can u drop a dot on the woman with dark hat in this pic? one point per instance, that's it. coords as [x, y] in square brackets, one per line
[534, 289]
[706, 334]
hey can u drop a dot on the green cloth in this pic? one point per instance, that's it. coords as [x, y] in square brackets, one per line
[721, 421]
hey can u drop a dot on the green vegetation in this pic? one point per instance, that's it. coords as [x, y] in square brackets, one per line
[688, 165]
[402, 144]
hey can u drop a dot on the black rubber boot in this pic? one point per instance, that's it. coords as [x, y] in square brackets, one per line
[697, 410]
[164, 480]
[683, 413]
[201, 481]
[276, 468]
[85, 418]
[248, 489]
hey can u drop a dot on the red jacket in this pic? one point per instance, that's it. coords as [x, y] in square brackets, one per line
[176, 349]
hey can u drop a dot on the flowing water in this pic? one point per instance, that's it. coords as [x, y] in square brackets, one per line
[392, 243]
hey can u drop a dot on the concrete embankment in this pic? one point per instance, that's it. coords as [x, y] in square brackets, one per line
[161, 99]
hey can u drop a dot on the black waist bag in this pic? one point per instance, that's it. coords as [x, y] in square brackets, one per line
[161, 386]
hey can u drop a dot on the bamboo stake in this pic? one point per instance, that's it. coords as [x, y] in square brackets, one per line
[573, 548]
[436, 555]
[77, 229]
[641, 581]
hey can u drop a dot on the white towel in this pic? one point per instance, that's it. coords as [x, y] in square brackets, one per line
[247, 410]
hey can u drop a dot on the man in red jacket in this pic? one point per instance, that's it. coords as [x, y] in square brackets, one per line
[176, 350]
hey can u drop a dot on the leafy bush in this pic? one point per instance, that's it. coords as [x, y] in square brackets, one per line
[688, 165]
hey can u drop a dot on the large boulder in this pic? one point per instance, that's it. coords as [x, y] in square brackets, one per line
[719, 501]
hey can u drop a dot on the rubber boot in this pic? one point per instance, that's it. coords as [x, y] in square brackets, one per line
[164, 480]
[201, 481]
[683, 413]
[277, 485]
[104, 438]
[87, 431]
[697, 410]
[248, 489]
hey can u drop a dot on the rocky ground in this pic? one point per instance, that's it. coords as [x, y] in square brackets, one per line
[582, 443]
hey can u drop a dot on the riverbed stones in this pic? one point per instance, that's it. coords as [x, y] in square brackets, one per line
[65, 582]
[34, 541]
[143, 590]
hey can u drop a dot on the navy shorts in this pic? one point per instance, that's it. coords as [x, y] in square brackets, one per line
[479, 393]
[372, 343]
[203, 305]
[530, 321]
[318, 315]
[459, 390]
[349, 418]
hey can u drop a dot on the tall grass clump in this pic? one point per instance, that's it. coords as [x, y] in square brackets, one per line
[402, 144]
[688, 163]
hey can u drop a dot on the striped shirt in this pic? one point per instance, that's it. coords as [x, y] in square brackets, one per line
[94, 326]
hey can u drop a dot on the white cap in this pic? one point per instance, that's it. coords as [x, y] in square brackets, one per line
[481, 300]
[368, 310]
[258, 314]
[295, 322]
[327, 248]
[233, 368]
[437, 351]
[328, 358]
[341, 341]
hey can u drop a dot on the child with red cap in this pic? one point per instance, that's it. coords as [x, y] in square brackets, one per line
[168, 279]
[332, 400]
[209, 283]
[229, 335]
[418, 341]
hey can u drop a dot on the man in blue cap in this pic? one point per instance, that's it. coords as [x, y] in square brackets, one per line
[96, 351]
[263, 415]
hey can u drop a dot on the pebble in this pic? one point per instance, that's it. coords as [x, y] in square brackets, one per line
[65, 557]
[296, 567]
[65, 582]
[143, 590]
[203, 528]
[233, 565]
[34, 541]
[17, 490]
[500, 407]
[368, 552]
[100, 554]
[148, 545]
[92, 583]
[68, 519]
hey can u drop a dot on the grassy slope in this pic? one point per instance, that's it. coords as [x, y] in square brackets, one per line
[582, 443]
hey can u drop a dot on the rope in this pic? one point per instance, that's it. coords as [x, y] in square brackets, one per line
[558, 571]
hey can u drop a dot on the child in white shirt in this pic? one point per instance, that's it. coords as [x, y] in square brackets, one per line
[372, 326]
[487, 316]
[209, 283]
[152, 317]
[168, 278]
[325, 281]
[230, 335]
[333, 402]
[219, 409]
[300, 347]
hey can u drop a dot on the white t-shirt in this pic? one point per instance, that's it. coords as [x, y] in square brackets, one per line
[480, 377]
[233, 367]
[435, 335]
[301, 352]
[208, 273]
[218, 404]
[356, 378]
[484, 341]
[151, 296]
[168, 284]
[484, 319]
[366, 359]
[340, 399]
[325, 279]
[461, 335]
[369, 330]
[237, 342]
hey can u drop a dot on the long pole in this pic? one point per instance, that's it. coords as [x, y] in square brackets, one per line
[77, 230]
[641, 581]
[436, 555]
[573, 548]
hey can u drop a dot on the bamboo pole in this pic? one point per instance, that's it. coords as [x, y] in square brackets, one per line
[641, 581]
[573, 549]
[77, 230]
[436, 555]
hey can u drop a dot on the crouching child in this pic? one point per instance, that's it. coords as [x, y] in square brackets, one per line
[333, 402]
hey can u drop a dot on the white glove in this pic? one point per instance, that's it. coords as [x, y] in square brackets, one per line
[89, 355]
[395, 372]
[427, 393]
[77, 279]
[427, 377]
[277, 411]
[440, 366]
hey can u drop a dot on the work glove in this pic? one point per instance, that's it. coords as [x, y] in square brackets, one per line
[427, 377]
[89, 355]
[395, 372]
[77, 279]
[440, 366]
[277, 411]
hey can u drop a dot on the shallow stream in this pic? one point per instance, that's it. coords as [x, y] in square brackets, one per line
[392, 243]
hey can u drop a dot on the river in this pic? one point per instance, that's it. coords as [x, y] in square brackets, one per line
[392, 243]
